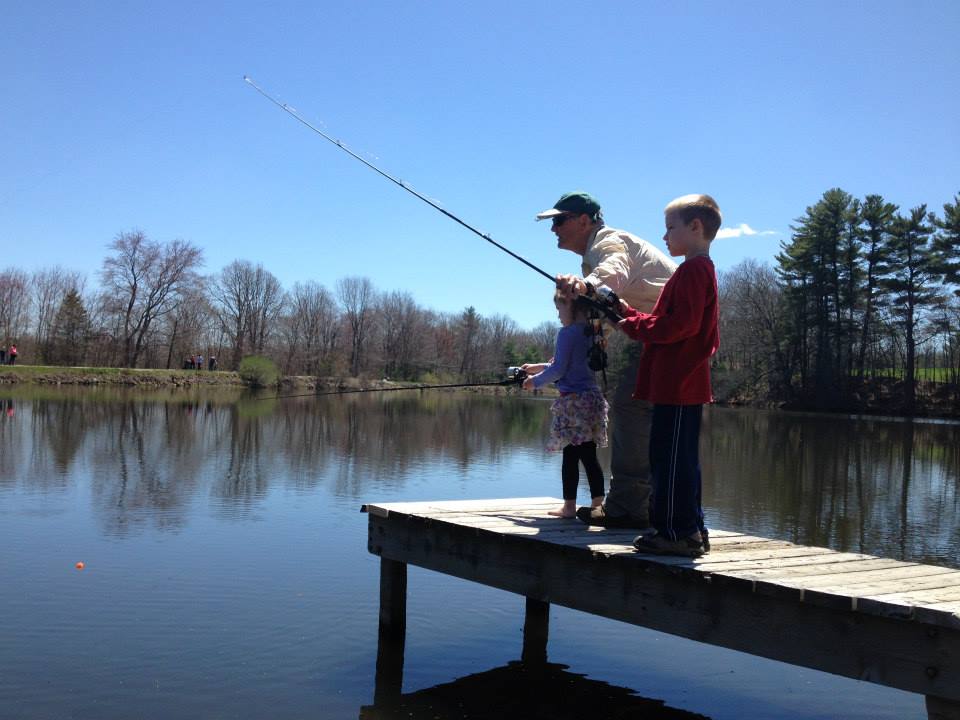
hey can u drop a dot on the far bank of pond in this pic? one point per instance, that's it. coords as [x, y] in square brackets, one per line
[149, 379]
[156, 378]
[883, 398]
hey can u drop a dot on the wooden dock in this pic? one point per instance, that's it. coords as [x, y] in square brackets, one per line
[875, 619]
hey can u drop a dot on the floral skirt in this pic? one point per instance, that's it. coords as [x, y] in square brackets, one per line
[578, 418]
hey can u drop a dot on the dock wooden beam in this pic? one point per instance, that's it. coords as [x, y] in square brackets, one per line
[392, 631]
[873, 619]
[536, 628]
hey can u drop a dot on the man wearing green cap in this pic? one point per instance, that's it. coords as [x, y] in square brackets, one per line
[636, 271]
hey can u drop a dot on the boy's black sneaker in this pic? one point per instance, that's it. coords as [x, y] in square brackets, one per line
[657, 544]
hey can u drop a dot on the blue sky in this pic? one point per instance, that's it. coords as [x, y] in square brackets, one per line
[120, 116]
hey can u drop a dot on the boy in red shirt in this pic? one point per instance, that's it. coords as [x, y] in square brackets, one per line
[679, 335]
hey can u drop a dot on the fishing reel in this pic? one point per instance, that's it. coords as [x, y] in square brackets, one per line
[597, 354]
[605, 301]
[516, 375]
[602, 302]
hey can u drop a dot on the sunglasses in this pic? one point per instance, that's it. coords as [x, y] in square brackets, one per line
[559, 220]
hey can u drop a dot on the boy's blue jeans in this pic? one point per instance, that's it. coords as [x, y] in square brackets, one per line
[676, 510]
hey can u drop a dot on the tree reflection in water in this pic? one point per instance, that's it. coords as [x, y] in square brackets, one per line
[880, 486]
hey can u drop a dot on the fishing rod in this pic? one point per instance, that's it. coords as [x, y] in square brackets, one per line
[602, 299]
[294, 114]
[516, 376]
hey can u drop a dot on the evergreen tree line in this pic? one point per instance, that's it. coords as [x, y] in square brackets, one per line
[153, 308]
[860, 311]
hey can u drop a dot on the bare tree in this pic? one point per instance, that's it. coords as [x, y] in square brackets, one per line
[145, 280]
[498, 333]
[14, 305]
[543, 338]
[402, 336]
[751, 327]
[248, 300]
[189, 328]
[442, 351]
[231, 302]
[312, 327]
[356, 297]
[266, 304]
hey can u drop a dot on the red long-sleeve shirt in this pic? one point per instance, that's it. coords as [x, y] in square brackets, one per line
[679, 335]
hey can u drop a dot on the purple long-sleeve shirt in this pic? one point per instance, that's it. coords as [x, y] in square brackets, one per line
[569, 367]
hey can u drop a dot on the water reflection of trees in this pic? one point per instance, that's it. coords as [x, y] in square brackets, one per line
[866, 485]
[869, 485]
[147, 460]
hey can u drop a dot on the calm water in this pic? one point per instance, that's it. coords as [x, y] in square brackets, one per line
[226, 572]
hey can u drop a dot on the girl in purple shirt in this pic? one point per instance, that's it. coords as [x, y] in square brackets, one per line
[579, 422]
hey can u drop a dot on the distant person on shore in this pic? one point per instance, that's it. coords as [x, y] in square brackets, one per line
[679, 335]
[211, 363]
[199, 362]
[636, 271]
[3, 355]
[12, 354]
[579, 415]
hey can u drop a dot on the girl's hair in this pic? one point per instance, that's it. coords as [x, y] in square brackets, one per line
[579, 305]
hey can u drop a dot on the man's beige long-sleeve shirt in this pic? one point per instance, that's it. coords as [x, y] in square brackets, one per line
[633, 268]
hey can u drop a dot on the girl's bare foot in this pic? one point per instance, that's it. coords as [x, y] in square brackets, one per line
[568, 510]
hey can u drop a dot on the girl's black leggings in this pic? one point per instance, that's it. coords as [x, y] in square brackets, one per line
[573, 455]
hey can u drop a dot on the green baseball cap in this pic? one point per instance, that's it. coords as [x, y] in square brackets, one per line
[577, 203]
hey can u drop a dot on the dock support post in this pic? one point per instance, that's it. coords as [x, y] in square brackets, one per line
[536, 626]
[392, 633]
[942, 709]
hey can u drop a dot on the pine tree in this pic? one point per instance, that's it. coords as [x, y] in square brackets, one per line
[876, 216]
[908, 283]
[820, 271]
[71, 331]
[946, 244]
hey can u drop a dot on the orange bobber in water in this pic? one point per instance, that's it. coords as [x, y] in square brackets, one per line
[80, 566]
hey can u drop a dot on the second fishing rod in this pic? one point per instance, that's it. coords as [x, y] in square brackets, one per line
[515, 377]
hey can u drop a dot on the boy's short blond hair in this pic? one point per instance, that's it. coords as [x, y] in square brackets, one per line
[697, 207]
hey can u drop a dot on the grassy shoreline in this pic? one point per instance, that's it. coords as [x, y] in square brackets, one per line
[55, 375]
[50, 375]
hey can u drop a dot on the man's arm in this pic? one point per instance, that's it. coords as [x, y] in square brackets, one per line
[613, 266]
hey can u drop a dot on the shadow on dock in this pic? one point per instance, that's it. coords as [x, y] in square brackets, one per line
[532, 691]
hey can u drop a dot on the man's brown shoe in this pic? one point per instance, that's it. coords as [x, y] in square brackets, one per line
[657, 544]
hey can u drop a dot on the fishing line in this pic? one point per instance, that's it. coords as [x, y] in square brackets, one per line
[294, 114]
[516, 380]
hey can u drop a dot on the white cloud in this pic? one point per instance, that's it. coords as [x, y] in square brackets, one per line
[740, 230]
